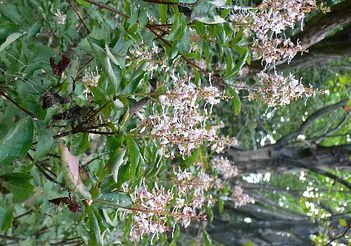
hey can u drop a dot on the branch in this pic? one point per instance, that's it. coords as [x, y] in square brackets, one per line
[325, 173]
[341, 235]
[103, 6]
[303, 127]
[321, 25]
[335, 129]
[317, 29]
[30, 114]
[161, 2]
[78, 15]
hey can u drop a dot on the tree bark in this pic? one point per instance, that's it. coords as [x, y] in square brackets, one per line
[277, 159]
[267, 227]
[330, 49]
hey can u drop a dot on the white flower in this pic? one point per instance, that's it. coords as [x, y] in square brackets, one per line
[60, 18]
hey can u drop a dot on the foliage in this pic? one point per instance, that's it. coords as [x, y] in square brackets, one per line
[111, 114]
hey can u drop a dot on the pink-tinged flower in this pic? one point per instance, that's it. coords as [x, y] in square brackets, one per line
[240, 198]
[276, 89]
[225, 167]
[179, 121]
[267, 24]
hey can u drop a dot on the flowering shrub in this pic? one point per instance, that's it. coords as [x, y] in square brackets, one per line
[108, 110]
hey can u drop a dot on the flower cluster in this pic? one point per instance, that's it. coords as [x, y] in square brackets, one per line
[194, 186]
[268, 22]
[276, 89]
[240, 198]
[273, 50]
[90, 79]
[180, 122]
[143, 54]
[151, 211]
[225, 168]
[271, 19]
[60, 18]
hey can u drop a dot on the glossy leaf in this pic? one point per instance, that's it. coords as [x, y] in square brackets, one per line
[105, 61]
[94, 228]
[6, 217]
[114, 163]
[9, 40]
[16, 143]
[18, 184]
[113, 200]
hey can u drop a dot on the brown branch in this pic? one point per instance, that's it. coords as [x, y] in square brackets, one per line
[17, 239]
[303, 127]
[320, 26]
[103, 6]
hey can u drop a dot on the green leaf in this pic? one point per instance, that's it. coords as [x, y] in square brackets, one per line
[104, 60]
[342, 222]
[95, 232]
[6, 216]
[79, 143]
[187, 1]
[236, 100]
[239, 65]
[207, 238]
[205, 13]
[10, 39]
[11, 12]
[216, 19]
[163, 13]
[249, 243]
[70, 166]
[18, 140]
[34, 29]
[113, 200]
[115, 162]
[83, 3]
[220, 205]
[134, 155]
[178, 27]
[45, 142]
[135, 81]
[18, 184]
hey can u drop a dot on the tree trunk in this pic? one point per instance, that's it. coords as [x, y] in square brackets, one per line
[272, 158]
[330, 49]
[266, 226]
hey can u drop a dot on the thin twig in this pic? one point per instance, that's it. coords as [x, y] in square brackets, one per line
[30, 114]
[341, 235]
[78, 15]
